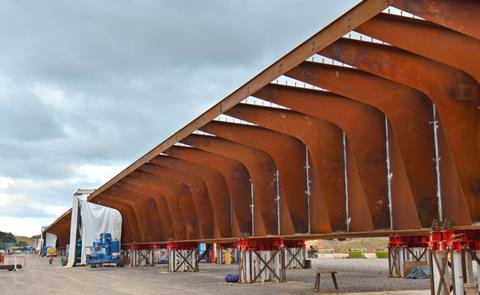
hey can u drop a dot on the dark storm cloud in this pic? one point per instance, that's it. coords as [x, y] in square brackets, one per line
[101, 82]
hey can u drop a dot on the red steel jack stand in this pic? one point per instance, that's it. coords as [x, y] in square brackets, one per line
[222, 248]
[261, 260]
[451, 255]
[182, 257]
[212, 256]
[404, 250]
[159, 253]
[294, 253]
[140, 255]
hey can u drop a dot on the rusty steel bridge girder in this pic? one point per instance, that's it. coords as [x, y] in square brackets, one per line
[327, 209]
[366, 158]
[142, 203]
[456, 96]
[198, 190]
[391, 144]
[128, 213]
[178, 198]
[409, 114]
[426, 39]
[216, 191]
[165, 220]
[288, 155]
[236, 177]
[459, 15]
[261, 169]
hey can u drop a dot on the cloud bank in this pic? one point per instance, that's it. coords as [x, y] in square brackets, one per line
[86, 87]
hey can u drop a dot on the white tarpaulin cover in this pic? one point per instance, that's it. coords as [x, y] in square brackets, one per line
[97, 219]
[50, 240]
[38, 244]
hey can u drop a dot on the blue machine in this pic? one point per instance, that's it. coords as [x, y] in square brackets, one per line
[105, 251]
[78, 255]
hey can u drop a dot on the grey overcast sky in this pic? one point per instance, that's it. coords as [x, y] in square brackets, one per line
[87, 87]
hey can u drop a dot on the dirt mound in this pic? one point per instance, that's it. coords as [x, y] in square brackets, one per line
[371, 244]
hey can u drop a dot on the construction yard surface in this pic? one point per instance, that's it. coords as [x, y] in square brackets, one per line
[354, 275]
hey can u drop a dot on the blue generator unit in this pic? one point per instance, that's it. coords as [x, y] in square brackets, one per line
[78, 254]
[105, 251]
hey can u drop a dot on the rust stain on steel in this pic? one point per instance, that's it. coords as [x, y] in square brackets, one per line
[236, 177]
[289, 156]
[426, 39]
[261, 169]
[459, 15]
[409, 112]
[326, 154]
[200, 197]
[165, 220]
[364, 126]
[215, 191]
[174, 196]
[179, 200]
[341, 26]
[150, 204]
[130, 192]
[128, 213]
[420, 59]
[149, 231]
[456, 95]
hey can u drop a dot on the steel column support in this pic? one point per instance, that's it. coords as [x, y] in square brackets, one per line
[147, 217]
[236, 178]
[366, 142]
[128, 213]
[455, 94]
[176, 196]
[409, 112]
[323, 142]
[216, 189]
[289, 157]
[165, 218]
[200, 195]
[261, 169]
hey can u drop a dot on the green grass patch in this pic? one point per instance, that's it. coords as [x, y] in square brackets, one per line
[355, 254]
[382, 254]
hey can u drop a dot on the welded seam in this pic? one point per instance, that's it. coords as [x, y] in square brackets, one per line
[345, 173]
[277, 199]
[252, 207]
[389, 173]
[437, 162]
[308, 192]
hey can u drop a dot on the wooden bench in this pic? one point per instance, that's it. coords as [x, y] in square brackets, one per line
[319, 272]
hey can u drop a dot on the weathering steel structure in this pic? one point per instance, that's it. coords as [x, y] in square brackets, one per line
[376, 133]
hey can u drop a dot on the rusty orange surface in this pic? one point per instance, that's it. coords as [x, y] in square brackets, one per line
[203, 191]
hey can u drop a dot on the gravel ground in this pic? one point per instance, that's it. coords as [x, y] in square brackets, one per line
[359, 275]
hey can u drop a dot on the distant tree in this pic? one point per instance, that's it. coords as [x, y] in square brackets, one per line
[7, 237]
[7, 240]
[22, 244]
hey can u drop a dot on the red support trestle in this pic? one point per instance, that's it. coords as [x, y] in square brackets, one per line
[260, 244]
[409, 242]
[144, 246]
[182, 246]
[227, 245]
[294, 243]
[455, 240]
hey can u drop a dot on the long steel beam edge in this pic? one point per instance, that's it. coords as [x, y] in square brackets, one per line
[332, 32]
[336, 235]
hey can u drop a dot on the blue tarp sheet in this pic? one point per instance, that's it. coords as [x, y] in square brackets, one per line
[419, 272]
